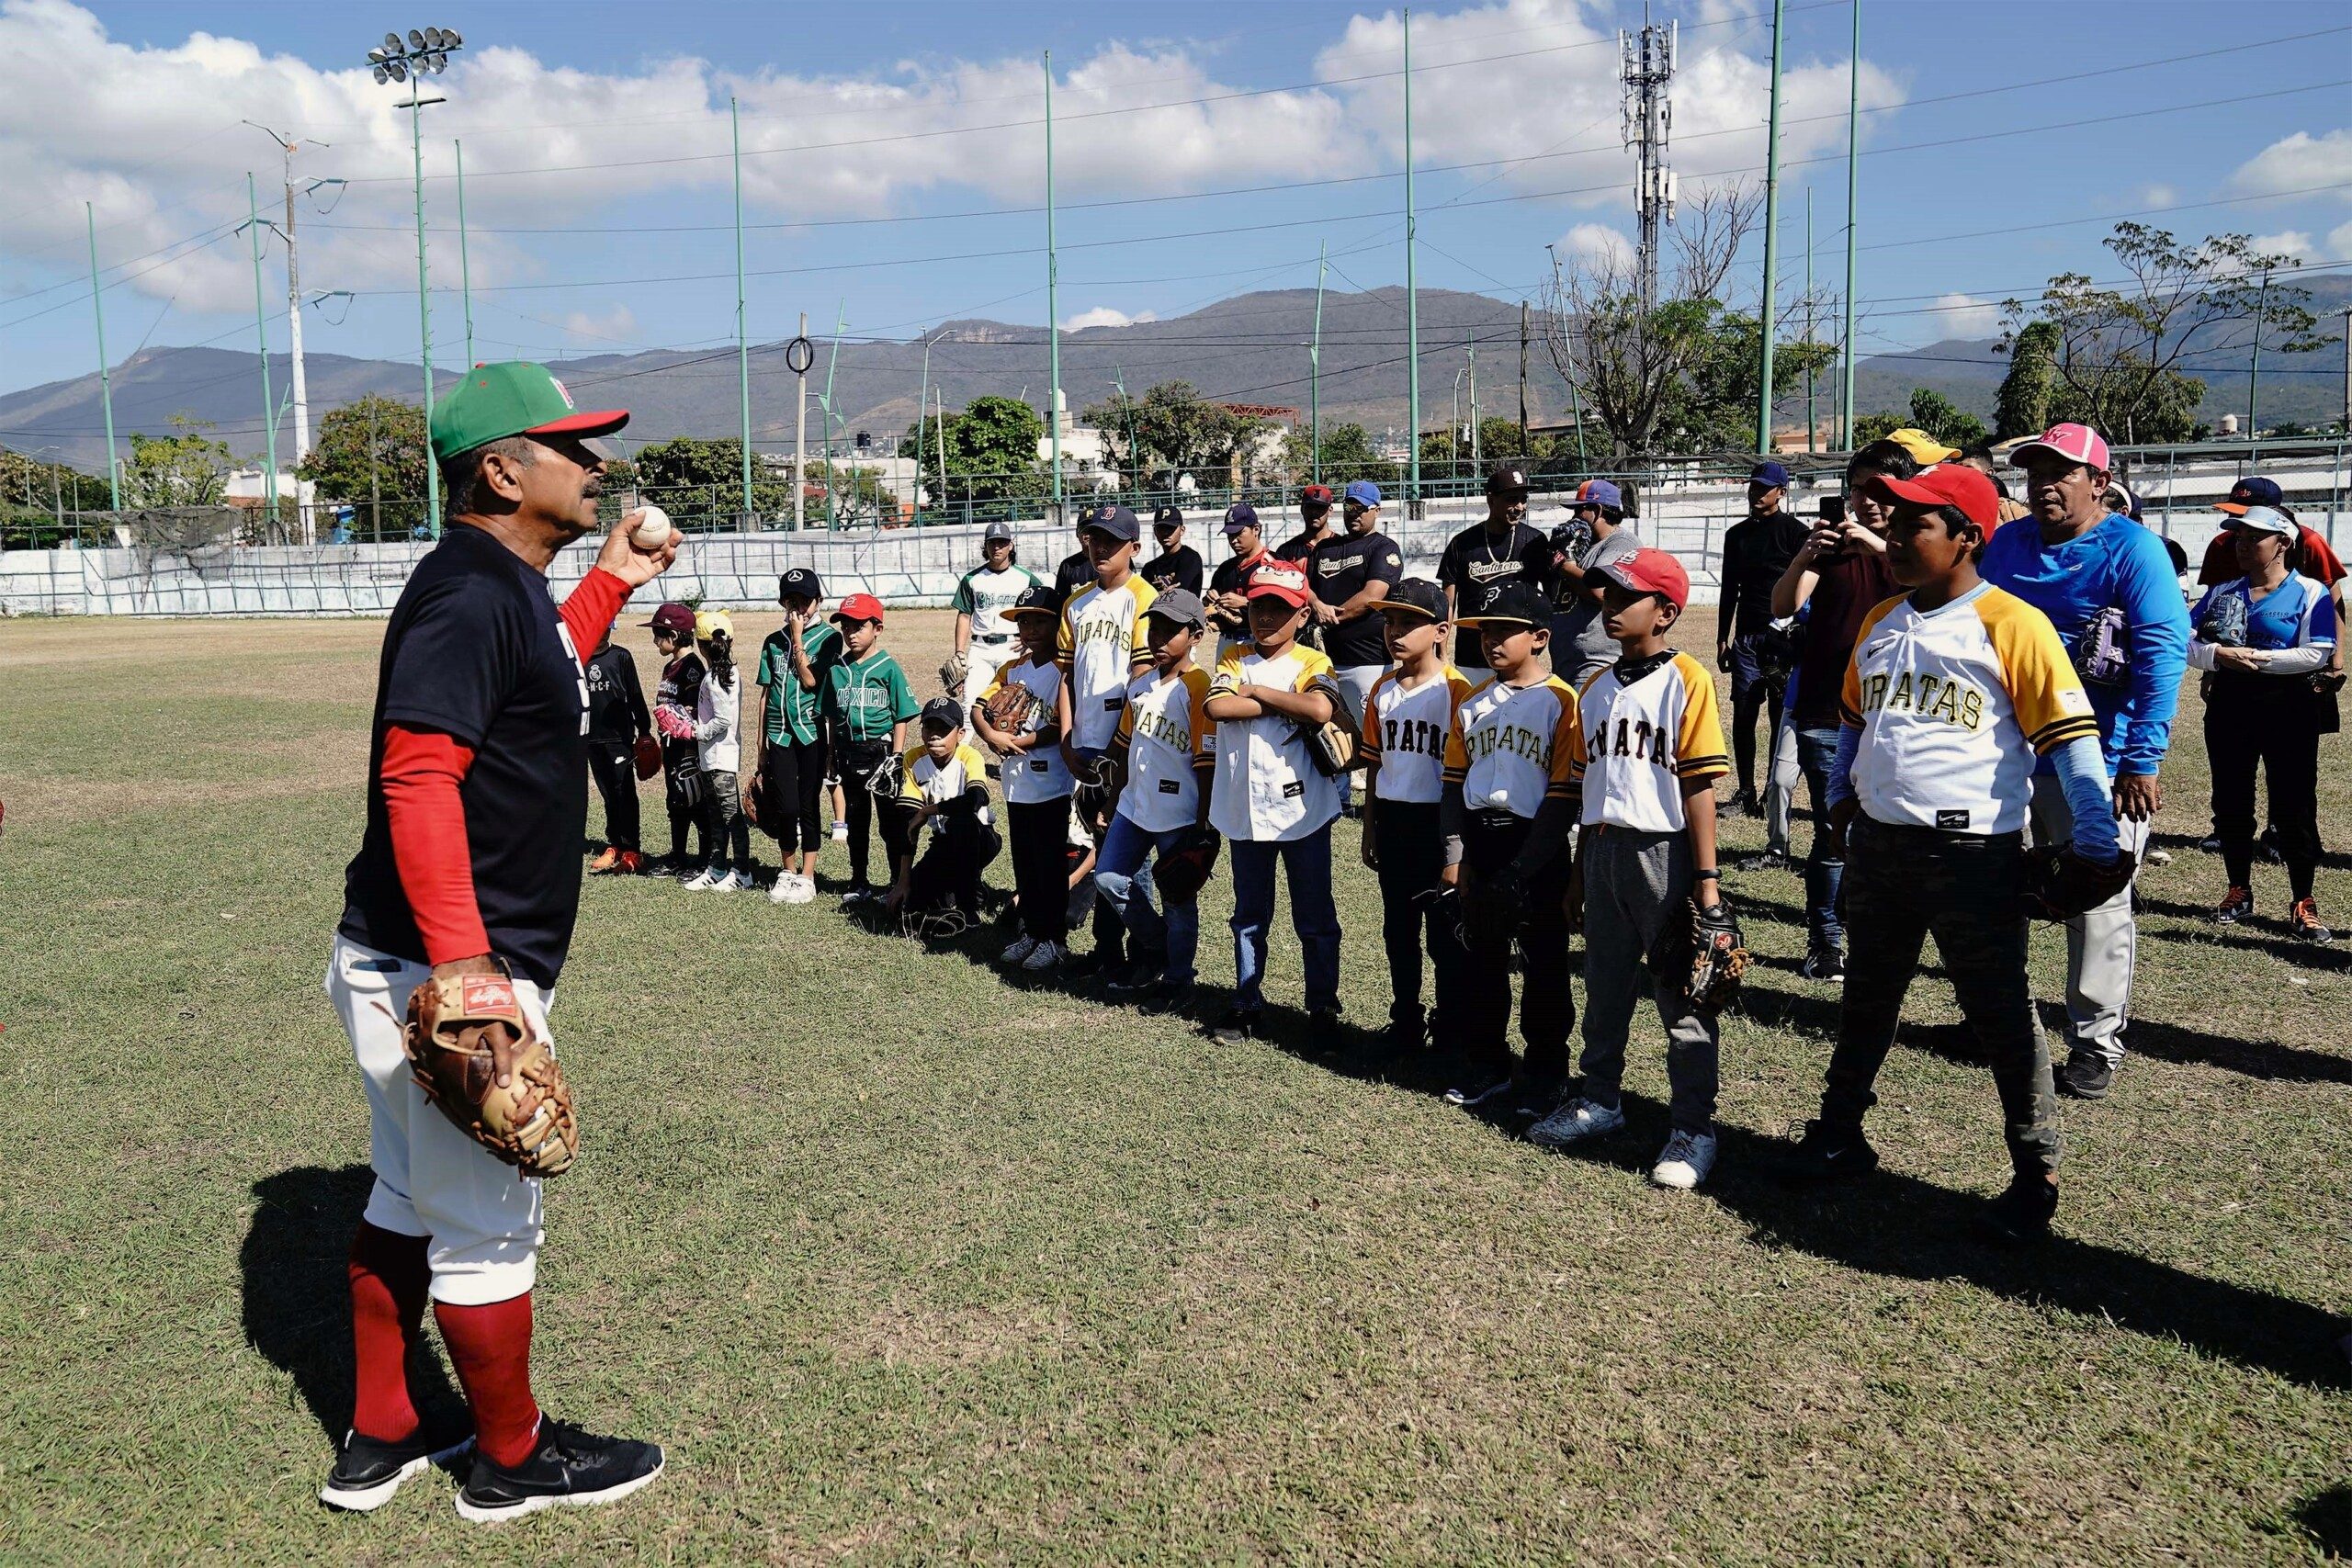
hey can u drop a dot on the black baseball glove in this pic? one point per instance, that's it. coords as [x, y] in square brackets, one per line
[2061, 884]
[1183, 871]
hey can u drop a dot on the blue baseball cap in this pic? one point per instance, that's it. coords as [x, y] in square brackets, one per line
[1239, 515]
[1364, 493]
[1598, 492]
[1772, 474]
[1115, 521]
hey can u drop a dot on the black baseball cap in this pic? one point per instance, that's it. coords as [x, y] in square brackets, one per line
[940, 715]
[1514, 602]
[802, 581]
[1415, 596]
[1117, 521]
[1038, 599]
[1511, 476]
[1168, 518]
[2252, 491]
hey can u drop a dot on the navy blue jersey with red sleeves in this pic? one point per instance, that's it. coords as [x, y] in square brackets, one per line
[475, 650]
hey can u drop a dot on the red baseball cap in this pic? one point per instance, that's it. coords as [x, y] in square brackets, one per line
[1956, 484]
[1316, 493]
[2075, 442]
[1278, 579]
[1651, 571]
[858, 607]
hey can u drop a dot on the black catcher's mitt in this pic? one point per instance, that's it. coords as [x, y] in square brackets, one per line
[1181, 872]
[2061, 884]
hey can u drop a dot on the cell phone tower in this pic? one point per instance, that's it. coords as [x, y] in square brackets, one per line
[1646, 65]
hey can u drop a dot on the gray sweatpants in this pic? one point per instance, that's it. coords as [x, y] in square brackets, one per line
[2102, 944]
[1635, 885]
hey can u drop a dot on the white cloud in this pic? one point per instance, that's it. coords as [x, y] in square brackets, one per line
[617, 325]
[2295, 243]
[1964, 315]
[1595, 243]
[2298, 163]
[2339, 241]
[2156, 195]
[1104, 316]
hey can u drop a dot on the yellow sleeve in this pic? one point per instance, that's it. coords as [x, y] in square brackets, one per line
[1699, 747]
[1849, 693]
[1580, 757]
[2051, 706]
[1065, 639]
[909, 790]
[1314, 669]
[1139, 639]
[1228, 673]
[1127, 731]
[1457, 750]
[1196, 685]
[975, 772]
[1568, 736]
[1371, 725]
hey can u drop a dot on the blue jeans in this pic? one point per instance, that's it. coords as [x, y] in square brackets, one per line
[1125, 884]
[1307, 863]
[1825, 872]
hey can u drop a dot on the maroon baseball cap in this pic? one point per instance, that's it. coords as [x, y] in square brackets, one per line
[1650, 570]
[673, 618]
[1316, 495]
[1949, 484]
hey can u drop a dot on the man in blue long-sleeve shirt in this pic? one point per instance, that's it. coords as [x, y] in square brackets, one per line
[2108, 585]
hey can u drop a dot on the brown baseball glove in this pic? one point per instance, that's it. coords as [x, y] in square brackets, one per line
[463, 1031]
[951, 671]
[2061, 884]
[1013, 708]
[1703, 956]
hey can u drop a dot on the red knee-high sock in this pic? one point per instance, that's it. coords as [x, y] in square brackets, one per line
[389, 1276]
[490, 1348]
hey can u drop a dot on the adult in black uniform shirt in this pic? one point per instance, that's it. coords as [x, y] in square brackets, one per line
[617, 719]
[1756, 550]
[1314, 518]
[1502, 548]
[1229, 602]
[1077, 571]
[1177, 565]
[1350, 572]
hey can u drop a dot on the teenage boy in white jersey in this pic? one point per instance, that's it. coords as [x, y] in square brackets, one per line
[984, 638]
[1648, 750]
[1507, 814]
[1165, 748]
[1272, 803]
[1407, 717]
[1953, 692]
[1100, 650]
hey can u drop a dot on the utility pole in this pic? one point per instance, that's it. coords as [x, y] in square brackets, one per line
[1853, 167]
[825, 408]
[1764, 322]
[742, 343]
[1524, 452]
[800, 438]
[260, 339]
[2254, 364]
[1314, 371]
[1568, 342]
[426, 53]
[285, 146]
[2347, 371]
[464, 260]
[1412, 291]
[1474, 415]
[942, 395]
[1053, 296]
[1810, 445]
[1645, 66]
[106, 375]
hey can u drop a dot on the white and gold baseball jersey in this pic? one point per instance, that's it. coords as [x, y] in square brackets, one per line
[1636, 744]
[1170, 742]
[1953, 703]
[1266, 788]
[923, 781]
[1038, 774]
[1404, 733]
[1102, 638]
[1511, 746]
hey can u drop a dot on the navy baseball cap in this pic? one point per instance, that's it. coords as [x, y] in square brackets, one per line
[998, 533]
[940, 715]
[1414, 596]
[1361, 492]
[1773, 474]
[2254, 491]
[1512, 602]
[800, 581]
[1168, 518]
[1239, 515]
[1117, 521]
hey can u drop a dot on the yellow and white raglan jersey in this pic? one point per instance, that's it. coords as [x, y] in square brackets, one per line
[1405, 729]
[1512, 746]
[1636, 743]
[1102, 635]
[1266, 788]
[1038, 774]
[1170, 742]
[1953, 705]
[924, 782]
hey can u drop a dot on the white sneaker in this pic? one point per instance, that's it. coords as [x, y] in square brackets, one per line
[841, 832]
[1685, 1161]
[780, 890]
[1575, 1121]
[1023, 946]
[703, 881]
[1043, 956]
[804, 889]
[735, 882]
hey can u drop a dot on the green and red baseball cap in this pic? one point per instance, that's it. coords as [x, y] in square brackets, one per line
[514, 397]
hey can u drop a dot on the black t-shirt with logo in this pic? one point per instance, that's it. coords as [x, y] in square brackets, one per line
[1475, 560]
[1179, 567]
[1339, 569]
[476, 652]
[616, 711]
[1300, 545]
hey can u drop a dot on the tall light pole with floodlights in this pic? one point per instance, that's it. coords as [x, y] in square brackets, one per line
[425, 54]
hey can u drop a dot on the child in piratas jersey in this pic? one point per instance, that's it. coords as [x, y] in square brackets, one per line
[868, 704]
[793, 665]
[1272, 802]
[1407, 717]
[1101, 649]
[677, 696]
[1953, 690]
[946, 833]
[1647, 751]
[1507, 814]
[718, 740]
[1037, 782]
[1164, 750]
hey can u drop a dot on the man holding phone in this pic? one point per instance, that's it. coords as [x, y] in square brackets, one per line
[1840, 572]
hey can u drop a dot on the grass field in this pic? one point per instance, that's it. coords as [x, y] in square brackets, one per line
[905, 1264]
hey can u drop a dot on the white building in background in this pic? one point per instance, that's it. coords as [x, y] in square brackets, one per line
[1086, 455]
[250, 488]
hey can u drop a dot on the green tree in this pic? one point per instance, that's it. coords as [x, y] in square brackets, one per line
[1174, 430]
[700, 479]
[370, 457]
[1713, 405]
[1348, 454]
[2023, 408]
[186, 468]
[991, 452]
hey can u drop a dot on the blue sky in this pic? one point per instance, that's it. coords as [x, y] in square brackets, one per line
[902, 141]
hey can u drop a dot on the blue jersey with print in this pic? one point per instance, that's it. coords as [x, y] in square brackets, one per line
[2296, 614]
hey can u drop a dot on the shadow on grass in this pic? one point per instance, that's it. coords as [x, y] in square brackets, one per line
[1903, 1227]
[295, 1262]
[2327, 1519]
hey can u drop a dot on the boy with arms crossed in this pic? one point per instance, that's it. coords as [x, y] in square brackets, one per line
[1101, 649]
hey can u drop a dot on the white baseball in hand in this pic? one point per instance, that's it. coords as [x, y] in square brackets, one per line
[653, 530]
[1499, 796]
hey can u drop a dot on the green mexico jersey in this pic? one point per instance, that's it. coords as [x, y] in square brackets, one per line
[865, 698]
[792, 707]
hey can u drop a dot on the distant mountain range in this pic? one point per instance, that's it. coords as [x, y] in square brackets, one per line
[1249, 349]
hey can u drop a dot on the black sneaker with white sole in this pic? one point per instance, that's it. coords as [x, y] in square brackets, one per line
[367, 1471]
[1238, 1026]
[1829, 1153]
[2086, 1076]
[567, 1467]
[1824, 963]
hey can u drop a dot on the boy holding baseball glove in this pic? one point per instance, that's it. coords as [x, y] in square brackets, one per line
[866, 703]
[1014, 719]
